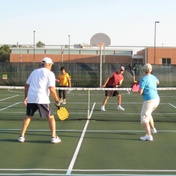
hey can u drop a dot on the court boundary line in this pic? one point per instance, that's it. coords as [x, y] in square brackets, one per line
[92, 170]
[9, 97]
[70, 168]
[10, 106]
[122, 170]
[172, 105]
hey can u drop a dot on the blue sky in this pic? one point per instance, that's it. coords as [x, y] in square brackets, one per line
[126, 22]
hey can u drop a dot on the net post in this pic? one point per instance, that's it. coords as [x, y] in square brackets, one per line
[88, 103]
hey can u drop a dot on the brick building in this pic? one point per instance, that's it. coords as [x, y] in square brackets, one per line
[82, 55]
[158, 55]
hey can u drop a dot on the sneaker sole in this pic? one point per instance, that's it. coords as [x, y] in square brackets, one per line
[145, 139]
[21, 141]
[55, 142]
[121, 109]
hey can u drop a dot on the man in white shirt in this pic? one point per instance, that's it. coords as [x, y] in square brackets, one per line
[39, 85]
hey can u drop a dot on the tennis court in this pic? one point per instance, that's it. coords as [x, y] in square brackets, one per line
[93, 142]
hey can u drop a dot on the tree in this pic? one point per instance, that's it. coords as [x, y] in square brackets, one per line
[40, 44]
[4, 53]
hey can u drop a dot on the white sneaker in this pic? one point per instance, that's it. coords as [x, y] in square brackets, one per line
[60, 101]
[120, 108]
[153, 130]
[146, 138]
[21, 139]
[103, 108]
[64, 102]
[55, 140]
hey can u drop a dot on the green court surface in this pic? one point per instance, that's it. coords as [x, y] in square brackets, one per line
[93, 142]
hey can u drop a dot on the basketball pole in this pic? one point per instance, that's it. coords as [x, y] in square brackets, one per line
[100, 40]
[100, 45]
[100, 66]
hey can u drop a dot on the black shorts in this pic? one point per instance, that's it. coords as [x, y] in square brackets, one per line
[62, 93]
[111, 93]
[44, 109]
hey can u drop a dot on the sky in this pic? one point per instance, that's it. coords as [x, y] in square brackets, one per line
[126, 22]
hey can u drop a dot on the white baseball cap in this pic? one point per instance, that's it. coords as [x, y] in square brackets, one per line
[147, 67]
[122, 68]
[47, 60]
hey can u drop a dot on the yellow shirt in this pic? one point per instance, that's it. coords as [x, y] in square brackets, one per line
[64, 79]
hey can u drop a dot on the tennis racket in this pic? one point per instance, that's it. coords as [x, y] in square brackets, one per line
[62, 113]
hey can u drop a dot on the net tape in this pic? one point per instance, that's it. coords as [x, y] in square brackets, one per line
[86, 88]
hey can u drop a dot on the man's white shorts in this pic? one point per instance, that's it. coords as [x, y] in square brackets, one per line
[147, 108]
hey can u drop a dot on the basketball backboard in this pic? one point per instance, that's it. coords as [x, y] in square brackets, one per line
[100, 38]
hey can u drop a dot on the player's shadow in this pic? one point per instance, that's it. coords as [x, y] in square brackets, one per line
[27, 141]
[38, 141]
[119, 136]
[8, 140]
[106, 136]
[5, 138]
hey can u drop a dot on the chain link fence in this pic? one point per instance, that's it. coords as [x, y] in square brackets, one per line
[85, 74]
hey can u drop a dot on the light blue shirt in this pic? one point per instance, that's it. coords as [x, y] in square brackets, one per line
[149, 85]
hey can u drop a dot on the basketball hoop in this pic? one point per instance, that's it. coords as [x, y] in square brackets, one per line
[100, 45]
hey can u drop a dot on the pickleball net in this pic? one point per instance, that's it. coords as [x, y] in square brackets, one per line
[85, 103]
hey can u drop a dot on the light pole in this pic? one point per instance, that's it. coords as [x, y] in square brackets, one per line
[34, 45]
[155, 42]
[69, 47]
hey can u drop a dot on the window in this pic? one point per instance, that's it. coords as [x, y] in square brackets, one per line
[166, 61]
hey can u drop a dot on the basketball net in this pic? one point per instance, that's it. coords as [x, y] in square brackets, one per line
[100, 45]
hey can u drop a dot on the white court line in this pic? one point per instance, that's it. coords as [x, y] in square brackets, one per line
[89, 170]
[9, 97]
[172, 105]
[69, 91]
[70, 168]
[122, 170]
[9, 106]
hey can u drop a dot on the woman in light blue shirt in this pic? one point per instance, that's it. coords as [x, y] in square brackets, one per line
[148, 89]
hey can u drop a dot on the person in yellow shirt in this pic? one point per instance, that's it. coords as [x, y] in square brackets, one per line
[65, 81]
